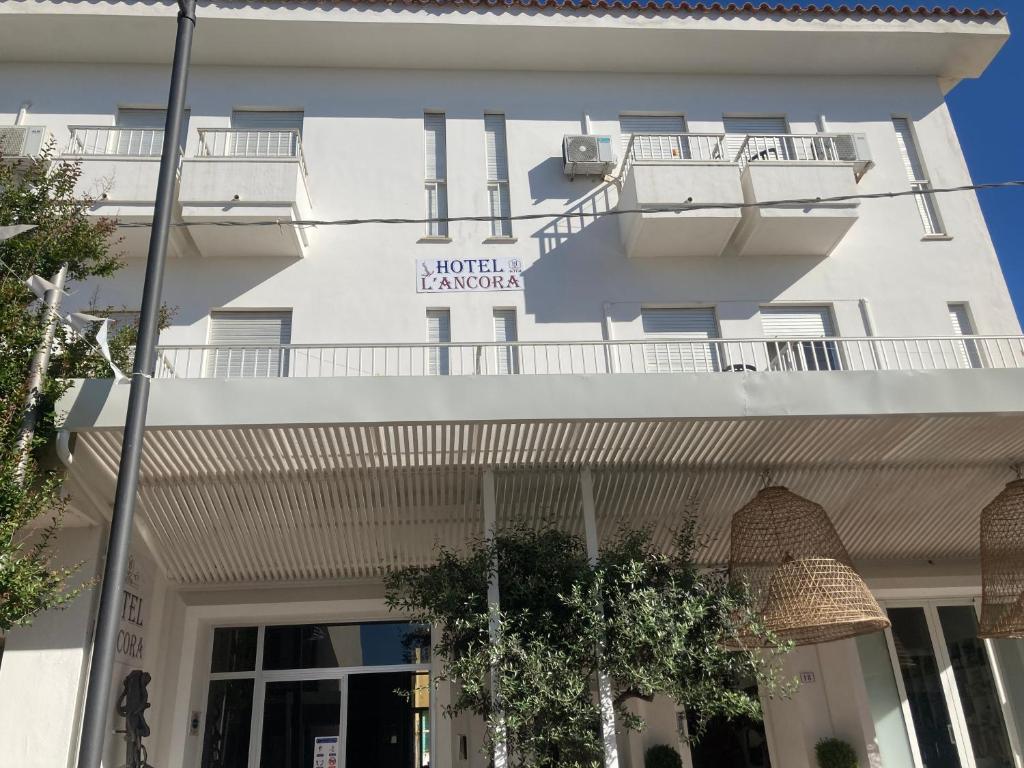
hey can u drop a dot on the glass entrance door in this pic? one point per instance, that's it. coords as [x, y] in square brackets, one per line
[950, 692]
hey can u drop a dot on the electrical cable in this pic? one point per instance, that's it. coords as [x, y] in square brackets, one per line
[683, 208]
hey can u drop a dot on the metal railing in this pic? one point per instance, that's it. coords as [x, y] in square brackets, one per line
[111, 141]
[811, 147]
[667, 355]
[677, 147]
[251, 143]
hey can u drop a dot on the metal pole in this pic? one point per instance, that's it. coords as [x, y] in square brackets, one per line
[97, 702]
[40, 362]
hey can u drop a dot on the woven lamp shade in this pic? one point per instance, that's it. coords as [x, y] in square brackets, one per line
[785, 548]
[1002, 564]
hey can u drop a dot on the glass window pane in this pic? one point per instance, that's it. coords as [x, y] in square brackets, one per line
[294, 715]
[976, 686]
[884, 700]
[234, 649]
[920, 671]
[228, 722]
[319, 646]
[1010, 658]
[386, 724]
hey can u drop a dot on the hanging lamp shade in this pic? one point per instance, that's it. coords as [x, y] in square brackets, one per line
[1002, 564]
[786, 550]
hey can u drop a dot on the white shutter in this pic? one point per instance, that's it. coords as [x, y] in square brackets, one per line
[271, 133]
[678, 325]
[505, 329]
[434, 144]
[497, 148]
[144, 132]
[738, 128]
[435, 171]
[795, 326]
[916, 176]
[967, 352]
[797, 322]
[439, 331]
[644, 126]
[249, 344]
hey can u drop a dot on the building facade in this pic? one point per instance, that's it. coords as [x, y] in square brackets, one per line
[336, 395]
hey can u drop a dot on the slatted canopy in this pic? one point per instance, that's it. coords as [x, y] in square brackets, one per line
[297, 503]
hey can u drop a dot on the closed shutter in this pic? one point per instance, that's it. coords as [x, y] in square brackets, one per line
[914, 168]
[271, 133]
[967, 350]
[505, 329]
[655, 136]
[738, 128]
[795, 325]
[439, 331]
[676, 353]
[435, 172]
[143, 132]
[497, 175]
[249, 344]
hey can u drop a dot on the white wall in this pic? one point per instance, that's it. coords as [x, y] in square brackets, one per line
[363, 145]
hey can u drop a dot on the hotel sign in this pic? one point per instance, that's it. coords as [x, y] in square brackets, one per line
[500, 273]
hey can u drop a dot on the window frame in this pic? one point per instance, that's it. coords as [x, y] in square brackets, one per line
[501, 225]
[439, 185]
[926, 203]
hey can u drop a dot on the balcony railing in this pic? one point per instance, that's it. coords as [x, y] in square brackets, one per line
[812, 147]
[695, 147]
[247, 143]
[592, 357]
[111, 141]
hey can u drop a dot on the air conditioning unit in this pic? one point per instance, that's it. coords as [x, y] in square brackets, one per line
[853, 148]
[20, 141]
[588, 155]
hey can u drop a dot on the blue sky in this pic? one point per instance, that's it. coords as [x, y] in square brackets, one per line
[988, 114]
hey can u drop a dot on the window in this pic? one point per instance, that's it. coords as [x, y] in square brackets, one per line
[798, 326]
[497, 175]
[917, 176]
[439, 334]
[967, 353]
[249, 344]
[682, 330]
[654, 137]
[275, 689]
[754, 138]
[273, 133]
[435, 155]
[140, 132]
[506, 358]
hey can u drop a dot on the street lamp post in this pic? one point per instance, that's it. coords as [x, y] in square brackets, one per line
[97, 702]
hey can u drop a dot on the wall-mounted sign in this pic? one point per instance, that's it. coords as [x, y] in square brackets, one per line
[325, 752]
[134, 598]
[496, 273]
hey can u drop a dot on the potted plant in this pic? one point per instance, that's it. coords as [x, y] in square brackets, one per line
[662, 756]
[835, 753]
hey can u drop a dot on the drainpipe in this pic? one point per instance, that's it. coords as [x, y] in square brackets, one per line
[611, 351]
[869, 328]
[23, 113]
[101, 668]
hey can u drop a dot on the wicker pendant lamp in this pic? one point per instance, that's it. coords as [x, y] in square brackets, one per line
[785, 548]
[1002, 563]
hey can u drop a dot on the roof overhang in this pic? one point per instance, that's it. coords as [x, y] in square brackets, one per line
[521, 37]
[305, 480]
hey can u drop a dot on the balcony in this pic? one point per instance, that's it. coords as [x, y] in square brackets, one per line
[242, 176]
[817, 356]
[798, 167]
[120, 167]
[670, 170]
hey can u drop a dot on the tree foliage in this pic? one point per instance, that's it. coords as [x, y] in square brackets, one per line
[41, 193]
[654, 623]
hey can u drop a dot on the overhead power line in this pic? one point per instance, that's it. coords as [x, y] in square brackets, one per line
[592, 214]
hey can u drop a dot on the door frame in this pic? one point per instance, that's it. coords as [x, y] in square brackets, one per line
[261, 677]
[947, 680]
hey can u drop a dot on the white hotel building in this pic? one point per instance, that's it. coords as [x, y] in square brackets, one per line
[331, 401]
